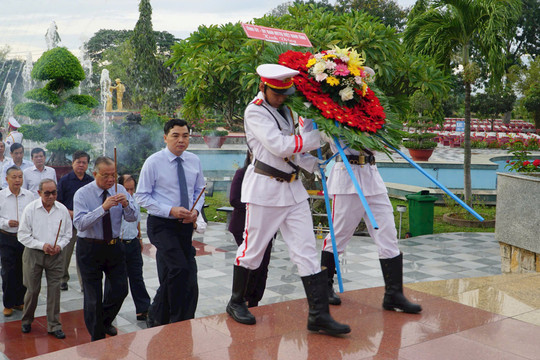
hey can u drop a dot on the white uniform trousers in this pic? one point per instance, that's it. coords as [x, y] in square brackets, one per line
[296, 226]
[347, 211]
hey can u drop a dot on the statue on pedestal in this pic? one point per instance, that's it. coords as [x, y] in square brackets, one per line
[120, 89]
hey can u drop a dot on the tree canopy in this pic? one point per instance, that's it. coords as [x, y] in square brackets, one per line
[216, 64]
[449, 30]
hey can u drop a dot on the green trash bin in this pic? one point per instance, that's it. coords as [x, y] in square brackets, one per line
[421, 209]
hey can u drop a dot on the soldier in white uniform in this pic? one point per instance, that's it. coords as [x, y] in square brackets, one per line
[347, 212]
[276, 199]
[14, 135]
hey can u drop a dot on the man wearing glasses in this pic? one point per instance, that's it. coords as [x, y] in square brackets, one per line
[98, 209]
[45, 230]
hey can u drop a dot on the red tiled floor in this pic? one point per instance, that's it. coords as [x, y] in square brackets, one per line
[16, 345]
[444, 330]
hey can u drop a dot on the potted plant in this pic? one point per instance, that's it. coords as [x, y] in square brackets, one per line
[420, 143]
[62, 114]
[214, 138]
[213, 133]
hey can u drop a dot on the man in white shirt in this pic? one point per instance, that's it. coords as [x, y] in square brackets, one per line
[17, 159]
[13, 200]
[44, 231]
[3, 159]
[33, 175]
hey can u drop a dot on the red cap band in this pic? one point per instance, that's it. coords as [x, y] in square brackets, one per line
[278, 84]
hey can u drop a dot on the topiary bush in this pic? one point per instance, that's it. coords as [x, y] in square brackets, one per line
[58, 109]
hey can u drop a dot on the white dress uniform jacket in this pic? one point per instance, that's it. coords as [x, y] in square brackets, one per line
[271, 145]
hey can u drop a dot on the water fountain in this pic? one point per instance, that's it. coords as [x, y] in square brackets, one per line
[26, 74]
[52, 38]
[8, 108]
[105, 83]
[87, 67]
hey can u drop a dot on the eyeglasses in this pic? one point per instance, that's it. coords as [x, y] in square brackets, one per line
[49, 193]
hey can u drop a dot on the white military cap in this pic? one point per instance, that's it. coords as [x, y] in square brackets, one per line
[14, 123]
[278, 78]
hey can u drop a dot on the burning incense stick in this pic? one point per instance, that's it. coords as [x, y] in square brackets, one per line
[115, 173]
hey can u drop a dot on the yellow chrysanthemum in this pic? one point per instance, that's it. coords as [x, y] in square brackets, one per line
[355, 59]
[311, 62]
[332, 81]
[364, 89]
[341, 52]
[329, 56]
[355, 71]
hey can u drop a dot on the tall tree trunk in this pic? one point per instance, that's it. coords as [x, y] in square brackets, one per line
[467, 143]
[507, 117]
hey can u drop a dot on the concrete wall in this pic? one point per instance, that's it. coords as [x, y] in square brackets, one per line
[518, 211]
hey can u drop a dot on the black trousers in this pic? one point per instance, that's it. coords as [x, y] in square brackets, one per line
[134, 265]
[178, 292]
[11, 251]
[96, 259]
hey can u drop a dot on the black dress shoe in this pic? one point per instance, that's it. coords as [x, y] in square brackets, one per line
[63, 286]
[26, 328]
[59, 334]
[111, 330]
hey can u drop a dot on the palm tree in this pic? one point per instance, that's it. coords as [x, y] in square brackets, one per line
[449, 30]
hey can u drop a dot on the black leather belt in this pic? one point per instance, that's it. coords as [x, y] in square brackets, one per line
[8, 233]
[101, 241]
[128, 241]
[278, 175]
[359, 159]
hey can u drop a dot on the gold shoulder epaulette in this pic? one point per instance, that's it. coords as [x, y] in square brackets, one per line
[258, 102]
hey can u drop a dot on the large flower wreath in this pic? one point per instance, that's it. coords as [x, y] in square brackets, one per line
[335, 82]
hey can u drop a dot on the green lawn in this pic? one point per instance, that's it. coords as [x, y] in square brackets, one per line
[220, 199]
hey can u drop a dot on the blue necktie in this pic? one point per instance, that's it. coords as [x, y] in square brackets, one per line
[184, 201]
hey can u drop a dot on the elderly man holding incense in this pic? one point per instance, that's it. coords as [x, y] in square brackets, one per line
[13, 200]
[45, 230]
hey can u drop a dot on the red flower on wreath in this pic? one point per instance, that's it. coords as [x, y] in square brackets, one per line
[367, 114]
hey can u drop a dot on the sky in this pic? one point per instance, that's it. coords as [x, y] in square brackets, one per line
[23, 23]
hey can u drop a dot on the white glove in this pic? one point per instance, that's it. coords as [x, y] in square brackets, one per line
[306, 125]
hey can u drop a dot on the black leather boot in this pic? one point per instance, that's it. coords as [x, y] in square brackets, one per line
[237, 307]
[327, 261]
[319, 318]
[394, 299]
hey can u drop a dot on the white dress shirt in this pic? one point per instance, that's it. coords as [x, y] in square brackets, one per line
[39, 226]
[158, 189]
[11, 207]
[25, 165]
[3, 164]
[32, 177]
[130, 229]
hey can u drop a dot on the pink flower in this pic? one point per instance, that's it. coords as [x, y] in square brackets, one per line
[342, 70]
